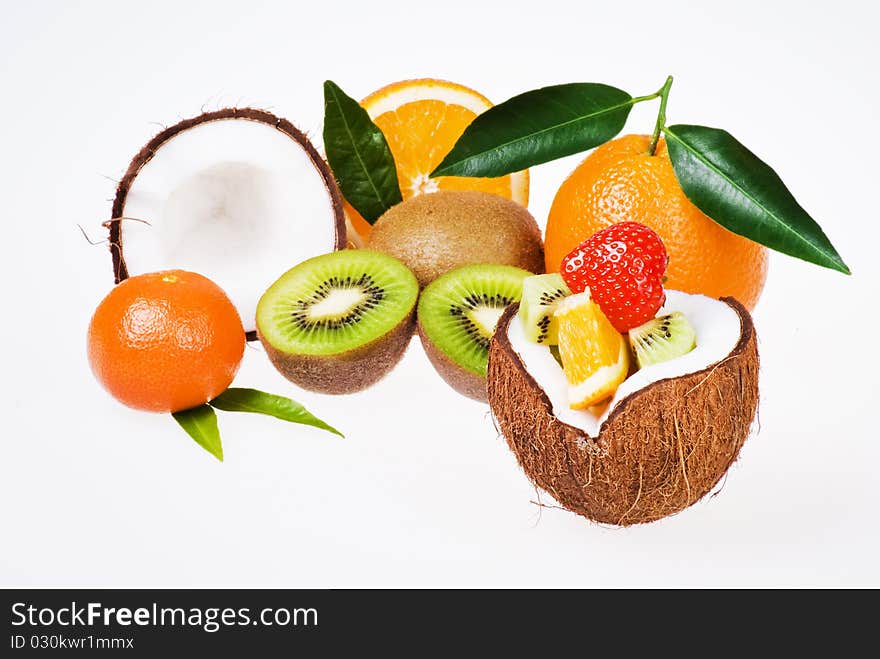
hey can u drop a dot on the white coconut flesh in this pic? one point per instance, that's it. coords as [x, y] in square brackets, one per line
[232, 199]
[718, 331]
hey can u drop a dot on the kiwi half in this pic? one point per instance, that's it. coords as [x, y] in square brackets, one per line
[662, 338]
[457, 315]
[338, 323]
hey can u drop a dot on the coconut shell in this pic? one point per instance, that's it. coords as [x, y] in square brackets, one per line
[346, 372]
[120, 272]
[660, 450]
[464, 381]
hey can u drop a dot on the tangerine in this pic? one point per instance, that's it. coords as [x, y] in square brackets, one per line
[620, 181]
[166, 341]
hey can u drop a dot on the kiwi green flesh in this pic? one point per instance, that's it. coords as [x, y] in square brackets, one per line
[541, 295]
[662, 338]
[336, 303]
[463, 380]
[350, 371]
[458, 311]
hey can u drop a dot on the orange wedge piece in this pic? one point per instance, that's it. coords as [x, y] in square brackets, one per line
[595, 356]
[422, 119]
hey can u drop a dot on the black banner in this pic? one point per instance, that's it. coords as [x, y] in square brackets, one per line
[416, 623]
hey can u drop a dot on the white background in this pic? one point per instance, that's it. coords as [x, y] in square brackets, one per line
[422, 492]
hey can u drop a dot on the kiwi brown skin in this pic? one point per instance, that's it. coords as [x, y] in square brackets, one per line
[661, 449]
[345, 372]
[437, 232]
[120, 272]
[463, 380]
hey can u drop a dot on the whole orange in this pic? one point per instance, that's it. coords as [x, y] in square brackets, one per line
[621, 181]
[166, 341]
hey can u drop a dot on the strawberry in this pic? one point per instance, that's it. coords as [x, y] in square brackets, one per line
[623, 267]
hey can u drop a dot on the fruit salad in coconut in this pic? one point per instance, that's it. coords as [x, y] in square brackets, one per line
[626, 402]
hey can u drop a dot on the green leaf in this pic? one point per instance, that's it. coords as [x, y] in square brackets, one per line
[536, 127]
[358, 155]
[742, 193]
[200, 423]
[259, 402]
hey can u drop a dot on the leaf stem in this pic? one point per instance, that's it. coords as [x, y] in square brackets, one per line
[661, 115]
[649, 97]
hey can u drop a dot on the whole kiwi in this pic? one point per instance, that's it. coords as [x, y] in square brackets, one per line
[438, 232]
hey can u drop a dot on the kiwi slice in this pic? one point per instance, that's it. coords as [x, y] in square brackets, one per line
[662, 338]
[540, 296]
[457, 315]
[337, 323]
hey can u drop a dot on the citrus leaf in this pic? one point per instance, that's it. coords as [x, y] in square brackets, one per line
[358, 155]
[259, 402]
[536, 127]
[743, 194]
[200, 423]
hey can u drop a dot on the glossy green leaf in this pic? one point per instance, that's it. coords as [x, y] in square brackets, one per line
[358, 155]
[536, 127]
[742, 193]
[258, 402]
[200, 423]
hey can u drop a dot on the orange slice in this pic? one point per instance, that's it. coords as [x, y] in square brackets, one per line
[422, 119]
[594, 355]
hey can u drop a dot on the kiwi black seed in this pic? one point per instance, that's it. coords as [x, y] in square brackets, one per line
[540, 296]
[473, 329]
[338, 323]
[365, 284]
[457, 314]
[662, 338]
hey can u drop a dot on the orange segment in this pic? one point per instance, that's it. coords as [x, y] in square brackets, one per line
[594, 355]
[422, 119]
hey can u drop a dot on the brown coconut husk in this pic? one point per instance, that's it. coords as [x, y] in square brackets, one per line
[120, 272]
[661, 449]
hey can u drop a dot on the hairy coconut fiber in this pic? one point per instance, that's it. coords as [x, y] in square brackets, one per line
[661, 449]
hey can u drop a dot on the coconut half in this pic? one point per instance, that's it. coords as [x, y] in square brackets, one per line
[238, 195]
[667, 437]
